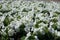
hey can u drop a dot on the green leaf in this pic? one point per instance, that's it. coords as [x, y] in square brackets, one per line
[46, 29]
[55, 15]
[40, 36]
[42, 5]
[18, 17]
[45, 11]
[31, 37]
[5, 10]
[22, 26]
[57, 12]
[23, 38]
[21, 30]
[36, 25]
[54, 20]
[7, 21]
[55, 26]
[45, 22]
[24, 10]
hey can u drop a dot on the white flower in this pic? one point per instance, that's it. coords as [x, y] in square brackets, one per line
[9, 7]
[36, 29]
[51, 30]
[51, 23]
[29, 34]
[36, 38]
[11, 32]
[3, 32]
[58, 33]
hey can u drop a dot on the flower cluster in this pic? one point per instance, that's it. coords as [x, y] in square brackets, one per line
[26, 20]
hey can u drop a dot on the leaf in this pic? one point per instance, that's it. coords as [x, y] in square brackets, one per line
[7, 21]
[31, 37]
[42, 5]
[45, 11]
[57, 12]
[54, 26]
[36, 25]
[24, 10]
[18, 17]
[22, 38]
[54, 20]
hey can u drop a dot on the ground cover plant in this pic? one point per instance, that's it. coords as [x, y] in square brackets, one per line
[27, 20]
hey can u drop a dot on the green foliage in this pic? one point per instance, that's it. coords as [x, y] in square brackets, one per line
[40, 36]
[5, 37]
[31, 37]
[22, 27]
[22, 38]
[57, 38]
[22, 31]
[54, 20]
[18, 17]
[4, 11]
[46, 29]
[55, 26]
[42, 5]
[7, 21]
[46, 11]
[46, 36]
[26, 10]
[57, 13]
[37, 26]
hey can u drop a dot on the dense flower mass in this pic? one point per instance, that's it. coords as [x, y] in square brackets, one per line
[27, 20]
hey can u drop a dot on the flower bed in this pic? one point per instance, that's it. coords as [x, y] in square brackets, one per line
[26, 20]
